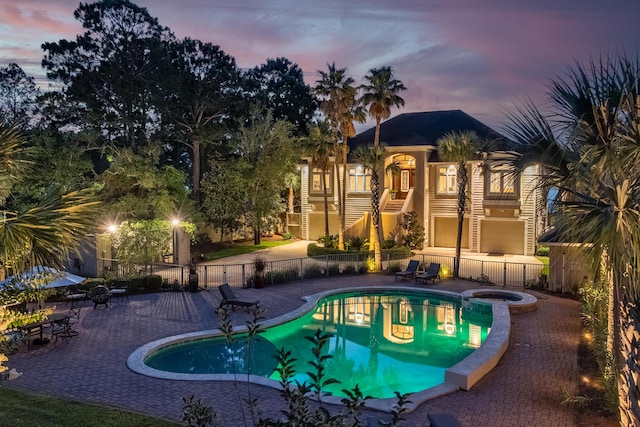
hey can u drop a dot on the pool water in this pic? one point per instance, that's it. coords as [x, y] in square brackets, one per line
[384, 342]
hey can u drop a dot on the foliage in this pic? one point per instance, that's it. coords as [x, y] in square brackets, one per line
[263, 143]
[110, 72]
[542, 251]
[320, 148]
[278, 85]
[414, 231]
[356, 243]
[134, 188]
[225, 195]
[152, 282]
[18, 97]
[388, 244]
[595, 318]
[195, 413]
[282, 276]
[328, 241]
[394, 267]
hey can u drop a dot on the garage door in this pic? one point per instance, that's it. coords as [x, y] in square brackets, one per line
[502, 237]
[445, 231]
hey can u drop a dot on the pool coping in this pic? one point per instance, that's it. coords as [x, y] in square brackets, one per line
[462, 375]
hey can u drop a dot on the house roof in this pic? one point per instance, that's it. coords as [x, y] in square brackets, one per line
[424, 129]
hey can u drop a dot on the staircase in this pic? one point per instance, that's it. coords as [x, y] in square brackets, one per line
[394, 205]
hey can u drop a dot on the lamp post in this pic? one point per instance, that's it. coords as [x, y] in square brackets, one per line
[176, 244]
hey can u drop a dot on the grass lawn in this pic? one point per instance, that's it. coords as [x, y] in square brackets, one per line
[28, 410]
[243, 248]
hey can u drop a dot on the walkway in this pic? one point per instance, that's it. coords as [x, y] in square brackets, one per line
[524, 389]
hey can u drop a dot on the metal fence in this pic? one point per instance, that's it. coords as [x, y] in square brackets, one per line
[502, 273]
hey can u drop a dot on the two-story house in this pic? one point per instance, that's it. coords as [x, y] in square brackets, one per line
[504, 210]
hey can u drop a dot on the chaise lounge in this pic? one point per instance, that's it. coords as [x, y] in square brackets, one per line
[229, 298]
[410, 271]
[432, 273]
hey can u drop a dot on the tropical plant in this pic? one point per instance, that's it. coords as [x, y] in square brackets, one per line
[339, 103]
[587, 139]
[380, 95]
[460, 147]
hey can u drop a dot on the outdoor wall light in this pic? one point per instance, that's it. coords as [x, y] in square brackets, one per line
[112, 228]
[175, 222]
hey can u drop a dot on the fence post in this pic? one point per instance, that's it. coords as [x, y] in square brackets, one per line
[182, 275]
[205, 277]
[224, 273]
[504, 278]
[244, 281]
[524, 275]
[326, 259]
[301, 271]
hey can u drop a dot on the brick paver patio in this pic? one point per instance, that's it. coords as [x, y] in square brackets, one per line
[524, 389]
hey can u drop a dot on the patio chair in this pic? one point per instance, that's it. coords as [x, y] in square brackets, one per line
[120, 288]
[410, 271]
[432, 273]
[229, 298]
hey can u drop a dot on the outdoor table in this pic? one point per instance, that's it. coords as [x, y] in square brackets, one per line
[39, 327]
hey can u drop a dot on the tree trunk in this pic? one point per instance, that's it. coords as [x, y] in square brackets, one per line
[196, 171]
[375, 219]
[343, 195]
[462, 199]
[340, 207]
[326, 204]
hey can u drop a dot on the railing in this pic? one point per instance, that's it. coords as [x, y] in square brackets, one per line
[501, 273]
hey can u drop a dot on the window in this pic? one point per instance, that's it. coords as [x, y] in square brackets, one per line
[447, 180]
[502, 182]
[359, 180]
[316, 180]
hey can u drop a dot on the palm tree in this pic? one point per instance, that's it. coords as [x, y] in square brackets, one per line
[589, 145]
[319, 146]
[338, 99]
[371, 157]
[459, 147]
[380, 94]
[43, 234]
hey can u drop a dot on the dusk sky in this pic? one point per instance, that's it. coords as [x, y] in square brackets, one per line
[480, 56]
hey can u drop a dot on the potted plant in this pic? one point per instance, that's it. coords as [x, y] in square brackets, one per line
[259, 265]
[392, 194]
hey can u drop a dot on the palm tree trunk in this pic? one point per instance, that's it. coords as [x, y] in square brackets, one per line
[196, 171]
[462, 199]
[336, 165]
[375, 218]
[343, 195]
[326, 204]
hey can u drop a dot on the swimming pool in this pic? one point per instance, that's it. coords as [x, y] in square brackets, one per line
[383, 340]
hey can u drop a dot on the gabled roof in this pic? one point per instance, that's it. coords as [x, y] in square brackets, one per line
[424, 129]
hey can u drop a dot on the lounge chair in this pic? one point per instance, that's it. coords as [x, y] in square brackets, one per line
[410, 271]
[229, 298]
[432, 273]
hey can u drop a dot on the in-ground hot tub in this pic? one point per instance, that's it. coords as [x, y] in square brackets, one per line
[518, 302]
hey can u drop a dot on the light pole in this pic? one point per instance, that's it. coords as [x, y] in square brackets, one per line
[176, 245]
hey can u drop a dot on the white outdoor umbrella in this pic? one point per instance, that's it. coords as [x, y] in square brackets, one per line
[57, 278]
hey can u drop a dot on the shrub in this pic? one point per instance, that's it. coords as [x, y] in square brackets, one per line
[329, 241]
[136, 283]
[349, 269]
[91, 283]
[542, 251]
[286, 235]
[282, 276]
[388, 244]
[313, 271]
[396, 253]
[153, 282]
[315, 250]
[414, 232]
[356, 243]
[394, 267]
